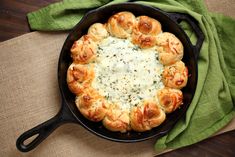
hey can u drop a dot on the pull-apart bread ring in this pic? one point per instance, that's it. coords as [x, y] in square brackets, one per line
[97, 32]
[175, 75]
[79, 77]
[145, 31]
[84, 50]
[92, 105]
[146, 116]
[117, 119]
[127, 73]
[170, 99]
[170, 48]
[121, 24]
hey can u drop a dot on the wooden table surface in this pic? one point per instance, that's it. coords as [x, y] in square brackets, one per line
[13, 23]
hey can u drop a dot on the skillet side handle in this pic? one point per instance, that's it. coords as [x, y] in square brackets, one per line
[43, 130]
[178, 17]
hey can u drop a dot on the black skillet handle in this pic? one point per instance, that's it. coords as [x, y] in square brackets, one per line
[178, 17]
[43, 130]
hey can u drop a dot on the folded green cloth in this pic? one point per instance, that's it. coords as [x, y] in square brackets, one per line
[213, 104]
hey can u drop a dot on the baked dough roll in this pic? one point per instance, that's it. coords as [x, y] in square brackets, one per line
[175, 75]
[79, 77]
[117, 119]
[84, 50]
[97, 32]
[146, 116]
[170, 48]
[145, 31]
[148, 26]
[92, 105]
[121, 24]
[170, 99]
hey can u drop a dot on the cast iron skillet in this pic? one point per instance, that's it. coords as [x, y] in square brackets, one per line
[70, 113]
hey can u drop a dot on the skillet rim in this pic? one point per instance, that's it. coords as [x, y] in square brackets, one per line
[87, 15]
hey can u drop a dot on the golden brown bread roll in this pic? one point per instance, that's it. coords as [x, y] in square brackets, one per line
[146, 116]
[121, 24]
[175, 75]
[170, 99]
[79, 77]
[97, 32]
[84, 50]
[92, 105]
[148, 26]
[170, 48]
[145, 31]
[143, 41]
[117, 119]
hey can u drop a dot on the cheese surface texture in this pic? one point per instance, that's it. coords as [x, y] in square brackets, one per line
[126, 74]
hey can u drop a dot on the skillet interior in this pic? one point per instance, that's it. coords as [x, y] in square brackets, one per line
[102, 15]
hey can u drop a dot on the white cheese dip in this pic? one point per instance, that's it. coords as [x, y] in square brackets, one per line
[126, 74]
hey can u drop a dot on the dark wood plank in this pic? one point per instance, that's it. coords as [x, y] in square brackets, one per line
[219, 146]
[13, 22]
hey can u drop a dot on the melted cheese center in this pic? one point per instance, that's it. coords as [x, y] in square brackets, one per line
[126, 74]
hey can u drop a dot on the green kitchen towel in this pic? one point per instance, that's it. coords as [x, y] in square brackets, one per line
[213, 104]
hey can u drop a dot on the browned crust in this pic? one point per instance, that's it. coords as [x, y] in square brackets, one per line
[92, 105]
[175, 75]
[148, 26]
[145, 31]
[170, 48]
[146, 116]
[79, 77]
[121, 24]
[170, 99]
[117, 119]
[84, 50]
[97, 32]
